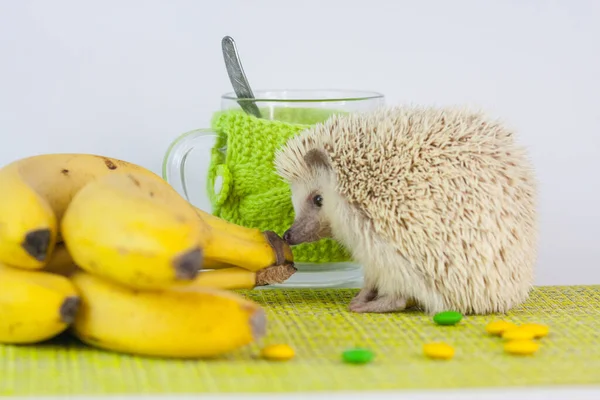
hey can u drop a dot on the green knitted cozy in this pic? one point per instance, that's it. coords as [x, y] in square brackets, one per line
[251, 193]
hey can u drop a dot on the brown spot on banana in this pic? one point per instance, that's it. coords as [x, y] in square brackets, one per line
[69, 308]
[188, 265]
[36, 243]
[134, 180]
[109, 164]
[12, 327]
[65, 172]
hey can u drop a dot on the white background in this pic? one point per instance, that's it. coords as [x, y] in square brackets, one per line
[124, 78]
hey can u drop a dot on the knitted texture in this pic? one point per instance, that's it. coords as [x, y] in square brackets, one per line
[318, 325]
[251, 193]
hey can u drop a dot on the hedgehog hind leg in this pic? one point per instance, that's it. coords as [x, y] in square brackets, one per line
[381, 304]
[365, 295]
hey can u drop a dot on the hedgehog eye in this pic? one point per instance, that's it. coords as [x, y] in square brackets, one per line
[317, 200]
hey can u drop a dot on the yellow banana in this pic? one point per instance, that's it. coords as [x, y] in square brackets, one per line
[37, 190]
[213, 264]
[34, 305]
[232, 278]
[243, 247]
[182, 321]
[133, 230]
[35, 193]
[247, 254]
[214, 273]
[61, 262]
[231, 229]
[227, 279]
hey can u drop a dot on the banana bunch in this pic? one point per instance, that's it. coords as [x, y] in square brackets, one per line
[110, 252]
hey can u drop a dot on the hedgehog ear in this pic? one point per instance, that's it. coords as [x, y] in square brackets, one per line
[317, 159]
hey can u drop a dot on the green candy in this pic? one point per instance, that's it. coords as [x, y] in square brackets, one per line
[447, 318]
[358, 356]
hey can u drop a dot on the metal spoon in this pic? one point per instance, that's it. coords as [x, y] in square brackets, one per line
[237, 76]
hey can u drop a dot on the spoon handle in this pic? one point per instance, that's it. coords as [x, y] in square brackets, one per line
[237, 77]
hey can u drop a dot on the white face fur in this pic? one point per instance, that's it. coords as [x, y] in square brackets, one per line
[315, 203]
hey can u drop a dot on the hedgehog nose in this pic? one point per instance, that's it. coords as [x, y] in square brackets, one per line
[287, 236]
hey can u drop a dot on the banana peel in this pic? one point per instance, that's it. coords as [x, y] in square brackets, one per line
[179, 322]
[244, 247]
[35, 305]
[42, 188]
[239, 278]
[214, 274]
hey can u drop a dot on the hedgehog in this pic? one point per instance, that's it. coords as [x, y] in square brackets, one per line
[437, 205]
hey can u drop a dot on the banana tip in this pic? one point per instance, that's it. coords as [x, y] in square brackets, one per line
[69, 309]
[188, 265]
[36, 243]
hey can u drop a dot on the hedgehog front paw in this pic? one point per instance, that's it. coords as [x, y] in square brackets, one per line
[382, 304]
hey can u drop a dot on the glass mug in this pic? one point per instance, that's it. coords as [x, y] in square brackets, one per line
[228, 170]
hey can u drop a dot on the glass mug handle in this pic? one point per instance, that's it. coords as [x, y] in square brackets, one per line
[173, 169]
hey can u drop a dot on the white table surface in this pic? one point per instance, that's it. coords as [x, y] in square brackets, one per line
[545, 393]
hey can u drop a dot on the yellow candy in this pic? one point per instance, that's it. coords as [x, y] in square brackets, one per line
[538, 330]
[279, 352]
[499, 327]
[518, 333]
[521, 347]
[438, 351]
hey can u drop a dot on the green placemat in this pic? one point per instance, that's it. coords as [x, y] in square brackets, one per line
[317, 324]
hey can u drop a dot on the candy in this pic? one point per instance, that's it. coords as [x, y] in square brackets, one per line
[357, 356]
[499, 327]
[447, 318]
[441, 351]
[278, 352]
[538, 330]
[518, 333]
[521, 347]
